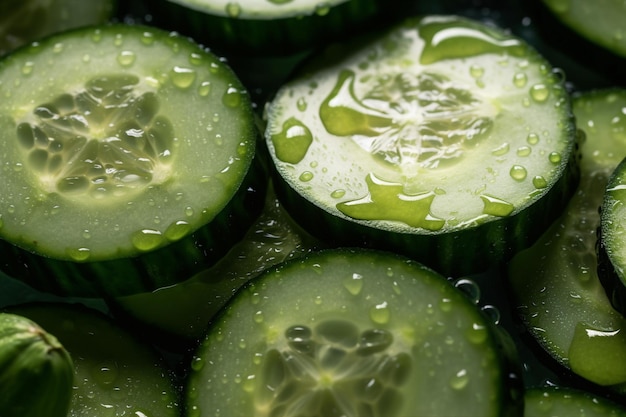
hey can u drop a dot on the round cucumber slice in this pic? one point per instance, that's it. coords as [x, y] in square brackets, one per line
[568, 402]
[23, 21]
[267, 27]
[115, 374]
[353, 333]
[442, 139]
[128, 158]
[555, 283]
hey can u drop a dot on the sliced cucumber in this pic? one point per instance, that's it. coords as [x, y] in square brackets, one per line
[353, 333]
[266, 27]
[443, 139]
[23, 21]
[115, 373]
[568, 402]
[555, 282]
[128, 160]
[600, 21]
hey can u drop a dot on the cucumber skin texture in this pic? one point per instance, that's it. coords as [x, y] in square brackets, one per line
[150, 270]
[36, 372]
[510, 385]
[147, 272]
[263, 37]
[457, 253]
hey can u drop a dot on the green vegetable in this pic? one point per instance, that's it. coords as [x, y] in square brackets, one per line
[568, 402]
[442, 139]
[353, 333]
[129, 161]
[36, 372]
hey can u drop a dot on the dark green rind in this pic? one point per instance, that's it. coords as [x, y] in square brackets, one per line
[116, 373]
[556, 401]
[456, 253]
[144, 273]
[610, 268]
[507, 395]
[36, 371]
[281, 35]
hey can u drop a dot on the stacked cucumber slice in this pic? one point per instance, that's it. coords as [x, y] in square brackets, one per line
[333, 211]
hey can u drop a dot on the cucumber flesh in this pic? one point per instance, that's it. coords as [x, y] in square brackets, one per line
[555, 283]
[352, 333]
[431, 139]
[119, 141]
[568, 402]
[24, 21]
[115, 373]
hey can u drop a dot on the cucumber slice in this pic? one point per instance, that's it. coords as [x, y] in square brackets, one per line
[266, 27]
[115, 373]
[600, 21]
[23, 21]
[128, 158]
[443, 139]
[568, 402]
[555, 282]
[353, 333]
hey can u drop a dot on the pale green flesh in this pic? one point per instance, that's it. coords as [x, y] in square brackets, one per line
[261, 9]
[439, 125]
[23, 21]
[555, 281]
[348, 333]
[567, 402]
[614, 212]
[115, 375]
[584, 17]
[142, 138]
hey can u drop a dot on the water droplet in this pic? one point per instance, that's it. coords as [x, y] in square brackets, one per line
[147, 38]
[518, 173]
[233, 9]
[322, 9]
[58, 47]
[147, 239]
[495, 206]
[232, 97]
[126, 58]
[540, 182]
[501, 150]
[539, 93]
[118, 40]
[306, 176]
[301, 104]
[183, 77]
[105, 373]
[554, 157]
[477, 71]
[524, 151]
[27, 68]
[354, 283]
[258, 317]
[79, 254]
[177, 230]
[292, 142]
[446, 305]
[520, 79]
[532, 139]
[338, 193]
[189, 211]
[460, 380]
[380, 313]
[197, 363]
[86, 234]
[469, 288]
[96, 36]
[204, 89]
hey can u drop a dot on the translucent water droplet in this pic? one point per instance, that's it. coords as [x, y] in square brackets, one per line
[532, 139]
[554, 157]
[501, 150]
[147, 239]
[446, 305]
[520, 79]
[292, 142]
[78, 254]
[477, 71]
[197, 363]
[105, 373]
[58, 47]
[118, 40]
[96, 36]
[492, 313]
[338, 193]
[232, 97]
[204, 88]
[27, 68]
[354, 283]
[524, 151]
[306, 176]
[233, 9]
[540, 182]
[126, 58]
[183, 77]
[86, 234]
[322, 9]
[189, 211]
[460, 380]
[258, 317]
[539, 93]
[301, 104]
[380, 313]
[469, 288]
[147, 38]
[518, 173]
[177, 230]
